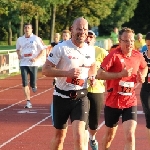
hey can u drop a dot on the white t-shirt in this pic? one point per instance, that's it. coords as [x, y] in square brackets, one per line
[29, 48]
[66, 56]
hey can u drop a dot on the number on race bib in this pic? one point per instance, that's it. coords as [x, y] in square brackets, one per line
[75, 81]
[125, 88]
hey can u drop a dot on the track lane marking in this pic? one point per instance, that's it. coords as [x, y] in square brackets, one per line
[5, 143]
[17, 85]
[25, 100]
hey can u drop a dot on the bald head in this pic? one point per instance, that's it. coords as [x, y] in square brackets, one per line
[79, 20]
[79, 31]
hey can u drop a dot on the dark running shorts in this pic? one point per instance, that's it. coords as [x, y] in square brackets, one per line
[112, 115]
[63, 108]
[96, 105]
[145, 99]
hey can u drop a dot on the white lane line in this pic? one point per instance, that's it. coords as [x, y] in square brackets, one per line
[50, 125]
[101, 125]
[16, 85]
[45, 125]
[2, 145]
[34, 109]
[24, 100]
[10, 87]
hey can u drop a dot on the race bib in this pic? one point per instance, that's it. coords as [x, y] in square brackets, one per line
[125, 88]
[27, 55]
[75, 81]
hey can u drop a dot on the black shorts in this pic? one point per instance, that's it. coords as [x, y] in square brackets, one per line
[145, 100]
[112, 115]
[63, 108]
[96, 105]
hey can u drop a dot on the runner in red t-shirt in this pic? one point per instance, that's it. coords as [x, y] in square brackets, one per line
[122, 69]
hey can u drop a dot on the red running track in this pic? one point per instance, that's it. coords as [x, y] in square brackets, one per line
[31, 129]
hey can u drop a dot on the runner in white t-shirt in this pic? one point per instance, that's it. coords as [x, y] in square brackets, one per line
[29, 49]
[72, 62]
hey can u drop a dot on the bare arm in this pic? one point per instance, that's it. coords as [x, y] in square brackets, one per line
[50, 70]
[141, 74]
[92, 70]
[18, 53]
[144, 71]
[104, 75]
[38, 56]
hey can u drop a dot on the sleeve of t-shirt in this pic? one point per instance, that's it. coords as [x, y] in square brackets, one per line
[18, 47]
[144, 48]
[40, 45]
[107, 62]
[55, 54]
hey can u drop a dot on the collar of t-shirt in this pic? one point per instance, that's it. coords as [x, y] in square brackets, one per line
[29, 36]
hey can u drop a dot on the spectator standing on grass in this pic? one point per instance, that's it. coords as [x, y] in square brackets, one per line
[71, 61]
[55, 42]
[95, 92]
[66, 35]
[114, 36]
[145, 90]
[140, 42]
[122, 69]
[29, 49]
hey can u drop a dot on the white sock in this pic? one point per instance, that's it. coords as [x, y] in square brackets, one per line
[92, 137]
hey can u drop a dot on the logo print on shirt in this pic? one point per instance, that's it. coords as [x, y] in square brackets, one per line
[87, 57]
[31, 41]
[83, 65]
[51, 54]
[71, 57]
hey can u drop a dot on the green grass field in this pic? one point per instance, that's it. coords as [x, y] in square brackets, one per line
[5, 46]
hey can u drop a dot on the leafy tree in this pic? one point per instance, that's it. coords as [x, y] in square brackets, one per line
[93, 11]
[122, 12]
[3, 7]
[36, 11]
[141, 20]
[10, 6]
[53, 14]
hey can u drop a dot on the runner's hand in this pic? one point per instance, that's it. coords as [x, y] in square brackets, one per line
[92, 81]
[33, 59]
[126, 72]
[19, 57]
[74, 73]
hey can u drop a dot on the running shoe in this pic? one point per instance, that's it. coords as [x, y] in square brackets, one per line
[94, 144]
[28, 105]
[34, 89]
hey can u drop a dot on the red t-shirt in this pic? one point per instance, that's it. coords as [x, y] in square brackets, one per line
[121, 91]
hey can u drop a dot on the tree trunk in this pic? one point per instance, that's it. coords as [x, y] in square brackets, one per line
[53, 16]
[21, 26]
[9, 33]
[68, 15]
[36, 25]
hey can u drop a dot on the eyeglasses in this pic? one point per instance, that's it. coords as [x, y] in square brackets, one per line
[90, 36]
[127, 41]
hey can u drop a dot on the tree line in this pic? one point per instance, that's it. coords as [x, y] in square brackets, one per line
[49, 16]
